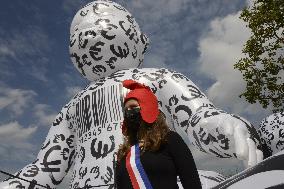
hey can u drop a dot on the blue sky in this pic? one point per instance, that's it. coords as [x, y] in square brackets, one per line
[199, 38]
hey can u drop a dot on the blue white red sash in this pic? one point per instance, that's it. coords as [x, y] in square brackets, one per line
[135, 169]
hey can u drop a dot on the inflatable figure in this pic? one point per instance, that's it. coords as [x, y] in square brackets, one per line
[107, 47]
[270, 172]
[271, 132]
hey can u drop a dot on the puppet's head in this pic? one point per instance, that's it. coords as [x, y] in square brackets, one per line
[105, 38]
[271, 132]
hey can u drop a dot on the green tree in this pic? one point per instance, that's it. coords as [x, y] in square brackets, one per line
[263, 64]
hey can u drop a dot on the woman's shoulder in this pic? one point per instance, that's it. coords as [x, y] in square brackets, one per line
[173, 136]
[175, 143]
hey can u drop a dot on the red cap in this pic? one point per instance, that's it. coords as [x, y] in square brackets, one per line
[146, 98]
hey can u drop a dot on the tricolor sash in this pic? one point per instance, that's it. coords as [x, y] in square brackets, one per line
[135, 169]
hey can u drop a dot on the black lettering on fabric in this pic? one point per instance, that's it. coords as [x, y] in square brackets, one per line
[87, 185]
[79, 63]
[130, 32]
[85, 61]
[116, 75]
[111, 62]
[120, 8]
[195, 120]
[83, 37]
[58, 137]
[188, 111]
[45, 145]
[143, 40]
[82, 172]
[140, 62]
[83, 13]
[70, 160]
[130, 18]
[203, 136]
[194, 93]
[72, 40]
[95, 171]
[154, 88]
[108, 26]
[209, 114]
[32, 171]
[120, 52]
[18, 184]
[82, 154]
[99, 69]
[134, 54]
[223, 140]
[108, 176]
[54, 180]
[173, 100]
[178, 76]
[58, 119]
[197, 142]
[65, 153]
[162, 83]
[281, 133]
[95, 50]
[148, 77]
[46, 163]
[100, 150]
[69, 141]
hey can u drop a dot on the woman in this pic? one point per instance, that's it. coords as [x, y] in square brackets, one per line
[151, 156]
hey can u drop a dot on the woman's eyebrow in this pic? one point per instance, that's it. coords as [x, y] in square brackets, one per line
[132, 106]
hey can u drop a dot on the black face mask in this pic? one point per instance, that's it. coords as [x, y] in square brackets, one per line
[132, 118]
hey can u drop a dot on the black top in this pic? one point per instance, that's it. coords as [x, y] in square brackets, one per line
[163, 166]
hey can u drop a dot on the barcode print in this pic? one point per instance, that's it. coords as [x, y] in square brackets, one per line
[107, 105]
[83, 115]
[98, 108]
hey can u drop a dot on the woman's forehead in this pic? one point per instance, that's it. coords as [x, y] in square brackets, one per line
[131, 102]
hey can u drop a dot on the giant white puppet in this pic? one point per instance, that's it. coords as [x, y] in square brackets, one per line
[107, 47]
[271, 131]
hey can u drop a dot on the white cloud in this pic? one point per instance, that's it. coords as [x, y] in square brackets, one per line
[13, 132]
[44, 114]
[14, 144]
[250, 2]
[15, 100]
[220, 49]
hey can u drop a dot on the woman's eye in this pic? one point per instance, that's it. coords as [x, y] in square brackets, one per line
[133, 107]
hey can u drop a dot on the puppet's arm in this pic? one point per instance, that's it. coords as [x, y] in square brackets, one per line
[53, 161]
[209, 129]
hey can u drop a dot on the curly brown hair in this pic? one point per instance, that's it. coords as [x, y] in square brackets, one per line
[153, 136]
